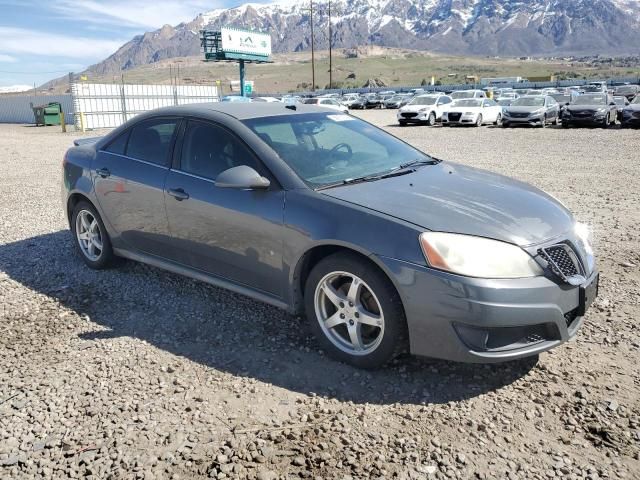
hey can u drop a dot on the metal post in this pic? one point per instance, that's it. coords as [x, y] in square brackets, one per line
[330, 66]
[313, 61]
[242, 78]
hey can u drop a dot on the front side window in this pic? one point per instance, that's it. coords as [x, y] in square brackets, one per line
[151, 140]
[325, 148]
[208, 150]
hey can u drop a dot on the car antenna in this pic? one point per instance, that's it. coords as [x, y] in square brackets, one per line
[290, 107]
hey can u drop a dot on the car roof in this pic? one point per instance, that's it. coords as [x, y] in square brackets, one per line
[239, 110]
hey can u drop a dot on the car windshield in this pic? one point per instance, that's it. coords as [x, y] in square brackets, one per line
[560, 98]
[591, 100]
[324, 148]
[471, 102]
[423, 101]
[636, 100]
[505, 102]
[528, 102]
[463, 94]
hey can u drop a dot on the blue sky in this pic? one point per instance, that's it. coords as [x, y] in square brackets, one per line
[44, 39]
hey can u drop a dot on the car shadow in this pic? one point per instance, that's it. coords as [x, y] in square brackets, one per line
[230, 332]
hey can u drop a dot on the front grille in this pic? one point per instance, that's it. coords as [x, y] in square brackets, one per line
[455, 116]
[583, 114]
[562, 261]
[409, 114]
[519, 115]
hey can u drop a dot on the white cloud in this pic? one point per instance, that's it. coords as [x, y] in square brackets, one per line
[7, 58]
[132, 13]
[38, 42]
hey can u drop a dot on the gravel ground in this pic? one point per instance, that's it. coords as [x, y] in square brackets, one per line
[137, 373]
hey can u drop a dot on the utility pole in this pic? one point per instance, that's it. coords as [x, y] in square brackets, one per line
[313, 60]
[330, 41]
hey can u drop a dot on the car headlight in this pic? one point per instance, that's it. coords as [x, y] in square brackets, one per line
[468, 113]
[477, 256]
[536, 112]
[601, 110]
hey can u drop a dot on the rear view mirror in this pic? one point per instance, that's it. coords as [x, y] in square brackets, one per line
[242, 177]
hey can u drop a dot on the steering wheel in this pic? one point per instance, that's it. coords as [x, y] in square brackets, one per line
[335, 149]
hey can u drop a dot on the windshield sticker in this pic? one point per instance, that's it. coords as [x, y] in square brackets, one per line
[340, 118]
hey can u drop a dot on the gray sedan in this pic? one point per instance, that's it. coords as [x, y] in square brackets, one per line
[534, 110]
[384, 247]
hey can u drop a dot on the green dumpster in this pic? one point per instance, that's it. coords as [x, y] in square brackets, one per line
[52, 113]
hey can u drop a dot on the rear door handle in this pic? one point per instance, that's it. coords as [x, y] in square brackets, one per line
[103, 172]
[178, 193]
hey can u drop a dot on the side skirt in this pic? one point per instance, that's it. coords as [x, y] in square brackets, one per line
[203, 277]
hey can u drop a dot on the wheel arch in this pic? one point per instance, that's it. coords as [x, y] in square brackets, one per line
[315, 254]
[73, 200]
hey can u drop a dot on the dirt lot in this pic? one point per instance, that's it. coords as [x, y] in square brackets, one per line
[136, 373]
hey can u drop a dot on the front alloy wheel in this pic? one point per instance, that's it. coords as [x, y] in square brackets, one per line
[349, 313]
[354, 311]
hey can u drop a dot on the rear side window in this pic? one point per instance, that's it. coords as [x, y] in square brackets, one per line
[118, 145]
[151, 140]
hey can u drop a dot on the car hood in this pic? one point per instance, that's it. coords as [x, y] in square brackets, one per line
[634, 106]
[449, 197]
[416, 108]
[464, 109]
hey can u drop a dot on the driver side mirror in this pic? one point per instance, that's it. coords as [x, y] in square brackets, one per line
[242, 177]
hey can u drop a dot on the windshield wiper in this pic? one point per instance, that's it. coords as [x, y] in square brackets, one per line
[402, 169]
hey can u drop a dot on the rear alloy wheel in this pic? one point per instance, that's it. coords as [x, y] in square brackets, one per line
[565, 124]
[607, 122]
[354, 311]
[479, 121]
[91, 236]
[431, 121]
[402, 123]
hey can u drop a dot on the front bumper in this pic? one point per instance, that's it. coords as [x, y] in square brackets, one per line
[591, 120]
[420, 117]
[530, 120]
[630, 120]
[481, 320]
[462, 120]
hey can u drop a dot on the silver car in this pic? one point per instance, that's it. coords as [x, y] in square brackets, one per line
[533, 110]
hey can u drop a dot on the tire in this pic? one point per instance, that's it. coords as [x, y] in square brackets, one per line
[403, 123]
[506, 125]
[565, 124]
[102, 257]
[606, 123]
[557, 120]
[498, 121]
[432, 119]
[544, 122]
[381, 337]
[479, 121]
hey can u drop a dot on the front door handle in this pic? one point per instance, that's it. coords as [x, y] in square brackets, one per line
[178, 193]
[103, 172]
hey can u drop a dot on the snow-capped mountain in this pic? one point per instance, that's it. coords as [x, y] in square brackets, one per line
[479, 27]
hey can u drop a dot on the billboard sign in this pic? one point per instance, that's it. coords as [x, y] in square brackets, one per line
[237, 41]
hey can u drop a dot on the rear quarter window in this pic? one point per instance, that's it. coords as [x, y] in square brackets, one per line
[151, 141]
[119, 144]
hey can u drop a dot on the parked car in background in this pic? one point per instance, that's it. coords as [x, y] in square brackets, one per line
[473, 111]
[629, 91]
[287, 207]
[631, 114]
[426, 109]
[373, 100]
[265, 99]
[533, 92]
[595, 87]
[621, 102]
[326, 102]
[416, 91]
[590, 109]
[534, 110]
[359, 103]
[235, 98]
[349, 99]
[460, 94]
[504, 103]
[290, 99]
[395, 101]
